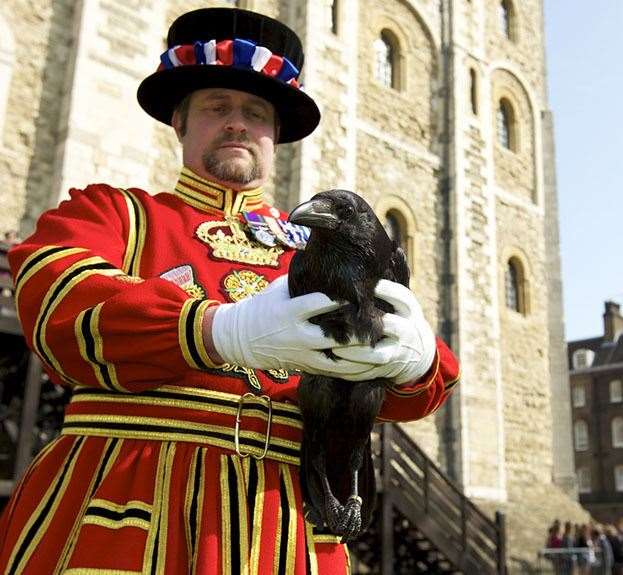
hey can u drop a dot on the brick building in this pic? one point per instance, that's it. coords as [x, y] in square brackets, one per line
[435, 111]
[596, 383]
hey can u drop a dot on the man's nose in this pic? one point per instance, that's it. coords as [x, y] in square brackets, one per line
[236, 122]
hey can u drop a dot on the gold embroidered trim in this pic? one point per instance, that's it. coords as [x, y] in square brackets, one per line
[205, 195]
[48, 255]
[286, 473]
[87, 326]
[137, 229]
[258, 513]
[112, 524]
[228, 241]
[311, 548]
[66, 281]
[190, 334]
[28, 540]
[93, 571]
[194, 405]
[109, 426]
[243, 548]
[225, 516]
[421, 387]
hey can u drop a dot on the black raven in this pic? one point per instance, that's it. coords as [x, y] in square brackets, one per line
[348, 252]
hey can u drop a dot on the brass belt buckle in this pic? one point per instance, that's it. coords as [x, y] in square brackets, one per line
[239, 419]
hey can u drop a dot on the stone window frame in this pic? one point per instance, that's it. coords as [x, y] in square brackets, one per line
[584, 479]
[521, 306]
[580, 435]
[7, 62]
[508, 110]
[578, 395]
[507, 27]
[507, 82]
[396, 205]
[389, 38]
[616, 431]
[615, 391]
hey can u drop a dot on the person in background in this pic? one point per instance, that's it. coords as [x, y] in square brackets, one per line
[617, 549]
[568, 560]
[586, 557]
[603, 549]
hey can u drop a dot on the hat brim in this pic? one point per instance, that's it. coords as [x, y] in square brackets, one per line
[160, 93]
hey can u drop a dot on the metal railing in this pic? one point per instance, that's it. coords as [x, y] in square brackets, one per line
[572, 561]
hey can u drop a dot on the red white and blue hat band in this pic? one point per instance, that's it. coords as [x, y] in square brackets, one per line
[237, 53]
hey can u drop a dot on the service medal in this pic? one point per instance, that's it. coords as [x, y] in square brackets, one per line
[259, 229]
[296, 234]
[278, 232]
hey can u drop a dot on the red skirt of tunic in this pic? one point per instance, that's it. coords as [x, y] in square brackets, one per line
[151, 484]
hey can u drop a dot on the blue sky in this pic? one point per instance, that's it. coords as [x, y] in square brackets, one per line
[584, 42]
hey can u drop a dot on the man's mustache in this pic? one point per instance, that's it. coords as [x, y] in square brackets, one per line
[229, 138]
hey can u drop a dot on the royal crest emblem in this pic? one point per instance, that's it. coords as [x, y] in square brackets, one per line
[244, 283]
[228, 241]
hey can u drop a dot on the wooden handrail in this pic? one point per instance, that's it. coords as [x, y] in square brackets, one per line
[437, 507]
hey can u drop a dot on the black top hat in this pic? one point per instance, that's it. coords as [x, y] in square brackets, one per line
[237, 49]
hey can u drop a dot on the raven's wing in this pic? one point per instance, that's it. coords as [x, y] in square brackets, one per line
[296, 275]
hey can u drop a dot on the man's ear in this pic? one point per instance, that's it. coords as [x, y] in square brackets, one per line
[176, 122]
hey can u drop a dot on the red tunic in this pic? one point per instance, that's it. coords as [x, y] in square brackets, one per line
[149, 473]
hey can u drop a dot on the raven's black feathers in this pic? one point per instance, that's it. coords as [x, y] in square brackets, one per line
[347, 253]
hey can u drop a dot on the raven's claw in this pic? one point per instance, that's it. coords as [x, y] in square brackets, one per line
[350, 521]
[333, 513]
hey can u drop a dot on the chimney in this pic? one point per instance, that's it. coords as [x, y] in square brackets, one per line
[613, 321]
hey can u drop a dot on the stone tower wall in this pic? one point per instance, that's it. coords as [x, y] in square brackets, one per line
[35, 46]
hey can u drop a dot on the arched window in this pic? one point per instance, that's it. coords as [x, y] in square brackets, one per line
[616, 391]
[514, 286]
[386, 58]
[473, 91]
[334, 16]
[584, 480]
[579, 395]
[580, 435]
[617, 432]
[7, 59]
[395, 228]
[506, 125]
[583, 358]
[505, 18]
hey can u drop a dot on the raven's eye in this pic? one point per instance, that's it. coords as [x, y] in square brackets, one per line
[347, 211]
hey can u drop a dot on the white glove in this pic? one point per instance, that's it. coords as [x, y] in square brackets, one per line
[270, 331]
[408, 348]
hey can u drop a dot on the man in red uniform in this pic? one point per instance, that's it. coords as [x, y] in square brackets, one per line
[179, 449]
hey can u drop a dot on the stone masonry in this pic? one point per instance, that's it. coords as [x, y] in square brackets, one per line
[427, 149]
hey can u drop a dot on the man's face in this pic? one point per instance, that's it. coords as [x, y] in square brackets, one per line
[229, 137]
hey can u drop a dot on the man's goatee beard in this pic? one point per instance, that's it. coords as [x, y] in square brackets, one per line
[232, 170]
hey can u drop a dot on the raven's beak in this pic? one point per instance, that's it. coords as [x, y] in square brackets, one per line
[316, 213]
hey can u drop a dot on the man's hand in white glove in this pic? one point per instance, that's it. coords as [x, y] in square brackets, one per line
[270, 330]
[407, 351]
